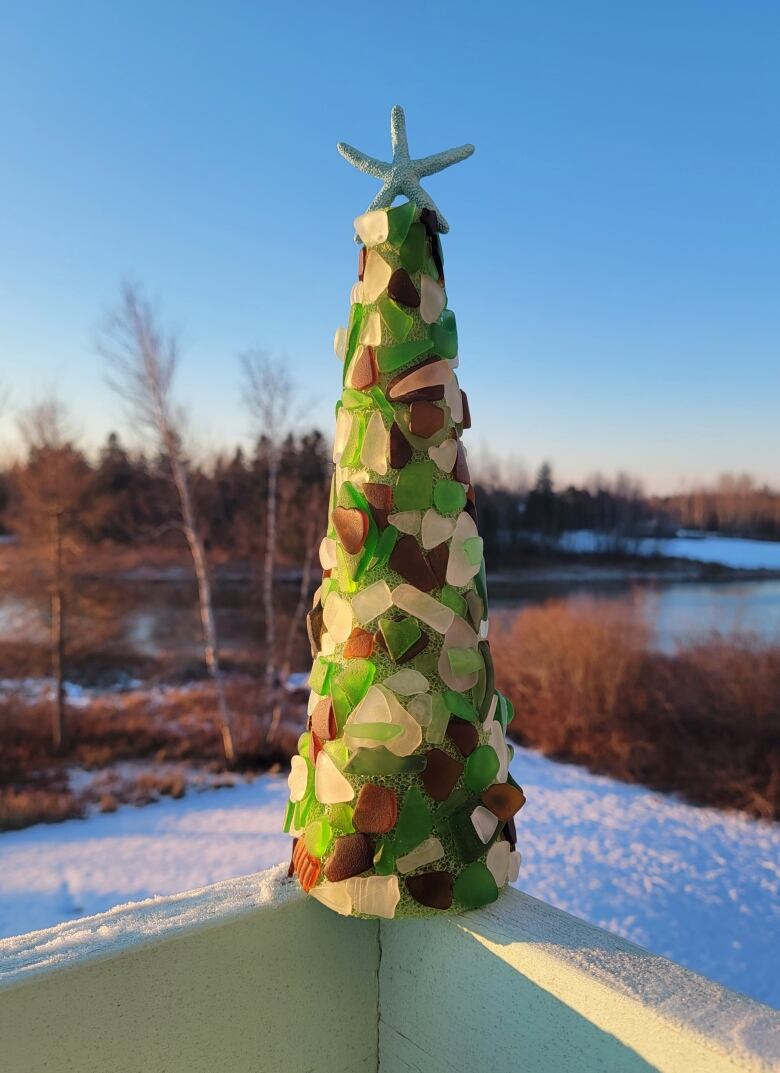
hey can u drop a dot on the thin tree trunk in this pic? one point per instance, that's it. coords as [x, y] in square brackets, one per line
[299, 614]
[205, 602]
[268, 571]
[57, 636]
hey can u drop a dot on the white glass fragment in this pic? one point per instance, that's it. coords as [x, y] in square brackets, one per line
[459, 635]
[376, 896]
[497, 861]
[340, 343]
[432, 299]
[330, 786]
[407, 682]
[423, 607]
[485, 823]
[376, 276]
[376, 444]
[373, 601]
[343, 426]
[371, 330]
[372, 227]
[498, 741]
[334, 895]
[435, 528]
[444, 455]
[337, 617]
[298, 778]
[421, 709]
[514, 866]
[407, 521]
[426, 853]
[454, 399]
[459, 569]
[328, 559]
[356, 294]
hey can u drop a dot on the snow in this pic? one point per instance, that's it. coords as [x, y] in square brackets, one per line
[734, 552]
[697, 885]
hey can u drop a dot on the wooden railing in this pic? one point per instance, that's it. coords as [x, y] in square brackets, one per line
[249, 976]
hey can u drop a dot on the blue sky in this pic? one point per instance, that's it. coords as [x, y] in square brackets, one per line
[614, 258]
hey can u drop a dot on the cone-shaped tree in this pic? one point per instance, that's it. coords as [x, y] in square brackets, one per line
[400, 798]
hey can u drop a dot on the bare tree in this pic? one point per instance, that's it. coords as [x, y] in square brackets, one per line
[142, 358]
[269, 393]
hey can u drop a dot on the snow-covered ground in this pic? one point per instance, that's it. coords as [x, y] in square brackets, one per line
[735, 552]
[698, 885]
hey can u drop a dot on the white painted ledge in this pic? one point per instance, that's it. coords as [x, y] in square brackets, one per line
[249, 976]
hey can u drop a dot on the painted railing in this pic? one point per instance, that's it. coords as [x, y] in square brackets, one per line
[248, 976]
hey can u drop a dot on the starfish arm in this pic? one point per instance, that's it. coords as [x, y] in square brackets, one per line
[398, 139]
[423, 200]
[429, 165]
[384, 199]
[367, 164]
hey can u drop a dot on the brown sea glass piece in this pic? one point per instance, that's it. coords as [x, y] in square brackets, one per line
[408, 560]
[461, 470]
[352, 527]
[463, 734]
[466, 412]
[352, 854]
[307, 867]
[400, 448]
[441, 773]
[426, 420]
[323, 720]
[503, 799]
[376, 810]
[359, 644]
[402, 289]
[432, 889]
[364, 374]
[380, 500]
[438, 558]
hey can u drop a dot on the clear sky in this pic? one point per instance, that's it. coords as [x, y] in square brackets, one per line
[614, 258]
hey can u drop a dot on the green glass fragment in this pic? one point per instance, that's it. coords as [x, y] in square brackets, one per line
[304, 744]
[450, 597]
[353, 335]
[427, 663]
[354, 399]
[415, 822]
[457, 799]
[302, 809]
[490, 680]
[381, 402]
[475, 886]
[467, 842]
[399, 220]
[440, 717]
[355, 679]
[381, 761]
[289, 814]
[415, 486]
[384, 547]
[341, 818]
[502, 712]
[390, 358]
[318, 834]
[481, 768]
[384, 858]
[444, 334]
[464, 660]
[399, 635]
[460, 705]
[354, 444]
[397, 321]
[374, 731]
[342, 705]
[414, 249]
[478, 692]
[480, 583]
[449, 497]
[338, 752]
[344, 570]
[351, 496]
[472, 547]
[321, 675]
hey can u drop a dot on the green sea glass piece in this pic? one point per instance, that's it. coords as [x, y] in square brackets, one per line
[460, 705]
[352, 399]
[441, 817]
[344, 570]
[415, 486]
[472, 547]
[398, 322]
[481, 768]
[304, 745]
[467, 841]
[374, 731]
[381, 761]
[444, 334]
[355, 679]
[321, 675]
[399, 220]
[338, 752]
[342, 705]
[427, 663]
[502, 712]
[480, 583]
[450, 597]
[302, 810]
[384, 857]
[449, 497]
[318, 834]
[353, 334]
[464, 661]
[415, 822]
[390, 358]
[354, 444]
[381, 402]
[440, 717]
[289, 815]
[384, 547]
[341, 818]
[399, 635]
[490, 680]
[475, 886]
[414, 249]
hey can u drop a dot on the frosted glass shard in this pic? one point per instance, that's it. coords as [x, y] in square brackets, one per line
[411, 734]
[334, 895]
[460, 570]
[444, 455]
[497, 861]
[440, 717]
[491, 716]
[432, 299]
[343, 428]
[484, 822]
[426, 853]
[483, 629]
[454, 399]
[328, 553]
[375, 896]
[421, 708]
[330, 786]
[376, 276]
[356, 294]
[372, 227]
[372, 602]
[459, 636]
[407, 521]
[327, 644]
[514, 867]
[433, 374]
[376, 445]
[314, 700]
[424, 607]
[407, 682]
[498, 741]
[371, 330]
[435, 528]
[298, 779]
[340, 343]
[337, 616]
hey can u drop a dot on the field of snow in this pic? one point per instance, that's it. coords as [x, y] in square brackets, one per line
[698, 885]
[735, 552]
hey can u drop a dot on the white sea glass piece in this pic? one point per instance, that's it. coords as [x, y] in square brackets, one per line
[314, 700]
[426, 853]
[376, 276]
[498, 741]
[330, 786]
[375, 896]
[430, 375]
[421, 709]
[340, 343]
[356, 294]
[435, 528]
[444, 455]
[372, 227]
[454, 362]
[334, 895]
[432, 299]
[497, 861]
[376, 444]
[423, 607]
[514, 866]
[337, 617]
[373, 708]
[483, 629]
[327, 644]
[491, 714]
[485, 823]
[459, 569]
[371, 330]
[408, 521]
[411, 733]
[407, 682]
[343, 427]
[328, 559]
[459, 635]
[373, 601]
[298, 778]
[454, 399]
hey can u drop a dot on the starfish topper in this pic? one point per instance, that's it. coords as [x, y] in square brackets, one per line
[403, 175]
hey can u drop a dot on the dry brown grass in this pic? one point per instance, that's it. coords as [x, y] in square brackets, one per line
[587, 687]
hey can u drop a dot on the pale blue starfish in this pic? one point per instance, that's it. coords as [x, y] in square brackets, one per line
[404, 174]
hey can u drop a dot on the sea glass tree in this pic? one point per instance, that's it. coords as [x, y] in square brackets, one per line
[401, 800]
